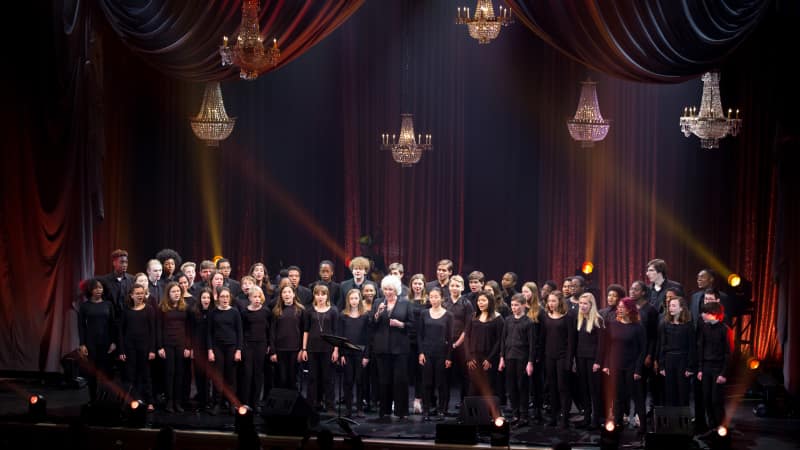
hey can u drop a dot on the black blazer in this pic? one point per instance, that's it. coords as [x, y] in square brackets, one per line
[391, 340]
[115, 291]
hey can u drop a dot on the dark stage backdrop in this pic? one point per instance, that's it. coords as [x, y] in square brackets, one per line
[301, 178]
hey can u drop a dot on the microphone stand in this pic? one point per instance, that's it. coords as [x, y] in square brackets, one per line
[342, 343]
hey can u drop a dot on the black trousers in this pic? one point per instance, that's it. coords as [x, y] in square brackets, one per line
[253, 373]
[201, 371]
[370, 381]
[434, 379]
[713, 396]
[225, 377]
[589, 383]
[558, 375]
[676, 384]
[393, 383]
[537, 386]
[457, 374]
[415, 372]
[286, 370]
[352, 373]
[483, 382]
[97, 367]
[517, 386]
[699, 405]
[173, 373]
[627, 388]
[320, 379]
[137, 373]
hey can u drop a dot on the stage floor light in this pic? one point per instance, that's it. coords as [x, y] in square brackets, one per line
[37, 406]
[136, 413]
[243, 419]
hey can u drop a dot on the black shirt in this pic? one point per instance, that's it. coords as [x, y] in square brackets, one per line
[517, 340]
[96, 323]
[356, 329]
[677, 339]
[558, 336]
[462, 312]
[626, 347]
[287, 330]
[483, 340]
[648, 317]
[172, 328]
[589, 343]
[319, 323]
[138, 329]
[714, 347]
[435, 335]
[225, 328]
[255, 325]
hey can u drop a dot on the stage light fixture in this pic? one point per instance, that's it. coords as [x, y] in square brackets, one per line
[136, 413]
[734, 280]
[500, 433]
[243, 419]
[610, 436]
[753, 363]
[37, 406]
[587, 268]
[721, 439]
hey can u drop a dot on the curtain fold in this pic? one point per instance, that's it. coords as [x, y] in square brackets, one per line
[656, 41]
[181, 39]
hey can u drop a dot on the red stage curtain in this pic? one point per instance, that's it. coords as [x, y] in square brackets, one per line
[662, 41]
[182, 39]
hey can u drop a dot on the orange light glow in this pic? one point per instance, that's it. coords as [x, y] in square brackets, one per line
[722, 431]
[609, 426]
[734, 280]
[242, 410]
[34, 399]
[753, 363]
[587, 268]
[134, 404]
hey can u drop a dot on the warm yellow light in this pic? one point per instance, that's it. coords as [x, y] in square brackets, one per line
[609, 426]
[34, 399]
[498, 422]
[587, 268]
[734, 280]
[134, 404]
[242, 410]
[216, 258]
[722, 431]
[753, 363]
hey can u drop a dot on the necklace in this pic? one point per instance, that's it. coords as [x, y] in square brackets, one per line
[321, 321]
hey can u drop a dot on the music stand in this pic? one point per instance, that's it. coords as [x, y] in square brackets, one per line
[342, 342]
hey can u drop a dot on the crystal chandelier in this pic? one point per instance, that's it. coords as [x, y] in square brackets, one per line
[248, 52]
[212, 123]
[588, 125]
[405, 150]
[484, 26]
[710, 123]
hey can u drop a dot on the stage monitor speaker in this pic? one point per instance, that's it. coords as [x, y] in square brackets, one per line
[672, 420]
[105, 410]
[480, 410]
[287, 413]
[456, 433]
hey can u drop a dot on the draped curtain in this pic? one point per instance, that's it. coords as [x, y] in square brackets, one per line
[657, 41]
[182, 39]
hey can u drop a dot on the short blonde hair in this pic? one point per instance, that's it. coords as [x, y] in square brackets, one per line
[359, 262]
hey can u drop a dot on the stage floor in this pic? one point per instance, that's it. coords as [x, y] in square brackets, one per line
[64, 406]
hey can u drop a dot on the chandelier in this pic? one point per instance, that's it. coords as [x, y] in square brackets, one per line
[484, 26]
[405, 150]
[588, 125]
[710, 123]
[248, 52]
[212, 123]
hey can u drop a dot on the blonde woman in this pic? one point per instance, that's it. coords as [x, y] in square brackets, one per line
[590, 329]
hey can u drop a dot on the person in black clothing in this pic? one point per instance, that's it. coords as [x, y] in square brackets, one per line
[435, 334]
[475, 280]
[656, 271]
[614, 294]
[200, 313]
[536, 313]
[623, 360]
[207, 268]
[326, 269]
[558, 341]
[354, 325]
[287, 335]
[97, 331]
[418, 297]
[587, 359]
[509, 284]
[359, 267]
[170, 261]
[304, 295]
[322, 318]
[137, 333]
[173, 343]
[155, 284]
[256, 319]
[242, 301]
[118, 283]
[648, 317]
[517, 353]
[547, 287]
[188, 298]
[224, 347]
[189, 269]
[676, 352]
[483, 346]
[369, 293]
[501, 305]
[390, 320]
[224, 267]
[462, 312]
[444, 269]
[713, 360]
[261, 276]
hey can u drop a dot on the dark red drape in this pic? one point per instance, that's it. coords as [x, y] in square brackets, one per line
[182, 39]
